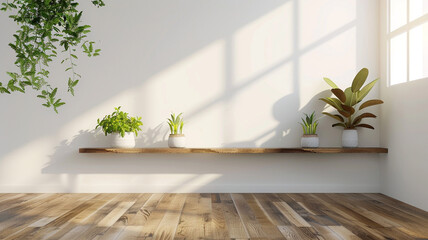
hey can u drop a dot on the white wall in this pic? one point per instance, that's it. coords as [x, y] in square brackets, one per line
[243, 72]
[404, 169]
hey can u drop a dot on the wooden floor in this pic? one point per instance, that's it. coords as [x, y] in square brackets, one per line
[209, 216]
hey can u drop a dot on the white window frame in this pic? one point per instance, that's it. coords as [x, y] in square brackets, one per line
[403, 29]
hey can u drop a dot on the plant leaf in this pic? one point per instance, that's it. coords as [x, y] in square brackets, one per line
[365, 90]
[365, 126]
[331, 83]
[359, 80]
[335, 116]
[53, 93]
[344, 113]
[303, 128]
[334, 102]
[338, 124]
[349, 109]
[339, 94]
[364, 115]
[348, 95]
[370, 103]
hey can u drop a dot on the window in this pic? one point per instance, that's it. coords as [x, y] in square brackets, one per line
[407, 40]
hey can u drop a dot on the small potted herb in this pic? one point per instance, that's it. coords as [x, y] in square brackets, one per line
[176, 138]
[346, 102]
[310, 138]
[122, 127]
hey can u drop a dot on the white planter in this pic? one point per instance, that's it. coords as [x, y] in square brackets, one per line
[128, 141]
[177, 141]
[350, 138]
[310, 141]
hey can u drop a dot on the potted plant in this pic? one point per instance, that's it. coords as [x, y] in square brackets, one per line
[345, 102]
[176, 138]
[309, 126]
[122, 127]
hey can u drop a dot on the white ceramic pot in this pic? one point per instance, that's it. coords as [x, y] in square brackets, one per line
[310, 141]
[128, 141]
[177, 141]
[350, 138]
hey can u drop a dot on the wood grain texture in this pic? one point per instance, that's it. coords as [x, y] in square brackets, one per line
[209, 216]
[233, 150]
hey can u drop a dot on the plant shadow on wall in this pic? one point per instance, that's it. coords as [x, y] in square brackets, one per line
[66, 158]
[192, 26]
[288, 130]
[66, 153]
[217, 169]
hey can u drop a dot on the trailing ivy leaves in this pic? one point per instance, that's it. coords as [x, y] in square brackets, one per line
[51, 100]
[46, 28]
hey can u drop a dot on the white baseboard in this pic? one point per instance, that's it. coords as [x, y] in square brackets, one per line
[233, 188]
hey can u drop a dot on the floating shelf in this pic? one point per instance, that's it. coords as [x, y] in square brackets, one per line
[233, 150]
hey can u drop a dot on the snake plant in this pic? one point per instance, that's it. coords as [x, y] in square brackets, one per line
[345, 102]
[176, 123]
[309, 124]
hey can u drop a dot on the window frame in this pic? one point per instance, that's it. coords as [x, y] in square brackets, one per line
[406, 28]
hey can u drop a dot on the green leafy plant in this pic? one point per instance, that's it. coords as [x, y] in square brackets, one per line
[176, 123]
[309, 124]
[119, 122]
[345, 102]
[47, 28]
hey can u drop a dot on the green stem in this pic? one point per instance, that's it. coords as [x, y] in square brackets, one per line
[71, 62]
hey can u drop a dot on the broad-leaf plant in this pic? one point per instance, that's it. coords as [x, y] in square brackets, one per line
[119, 122]
[47, 28]
[347, 102]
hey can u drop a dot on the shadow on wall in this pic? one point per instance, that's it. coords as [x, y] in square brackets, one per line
[286, 111]
[288, 130]
[181, 29]
[66, 158]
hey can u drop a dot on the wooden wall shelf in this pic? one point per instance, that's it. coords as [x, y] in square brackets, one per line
[233, 150]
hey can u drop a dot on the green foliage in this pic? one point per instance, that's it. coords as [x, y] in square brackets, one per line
[176, 123]
[346, 101]
[119, 122]
[46, 27]
[309, 124]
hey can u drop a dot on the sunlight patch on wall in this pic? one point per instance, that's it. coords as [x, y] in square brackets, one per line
[195, 86]
[261, 61]
[267, 136]
[339, 66]
[24, 160]
[203, 69]
[319, 18]
[148, 182]
[263, 43]
[252, 102]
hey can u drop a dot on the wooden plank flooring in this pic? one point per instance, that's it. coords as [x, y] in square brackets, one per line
[209, 216]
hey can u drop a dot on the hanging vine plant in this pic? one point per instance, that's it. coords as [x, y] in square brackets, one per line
[46, 28]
